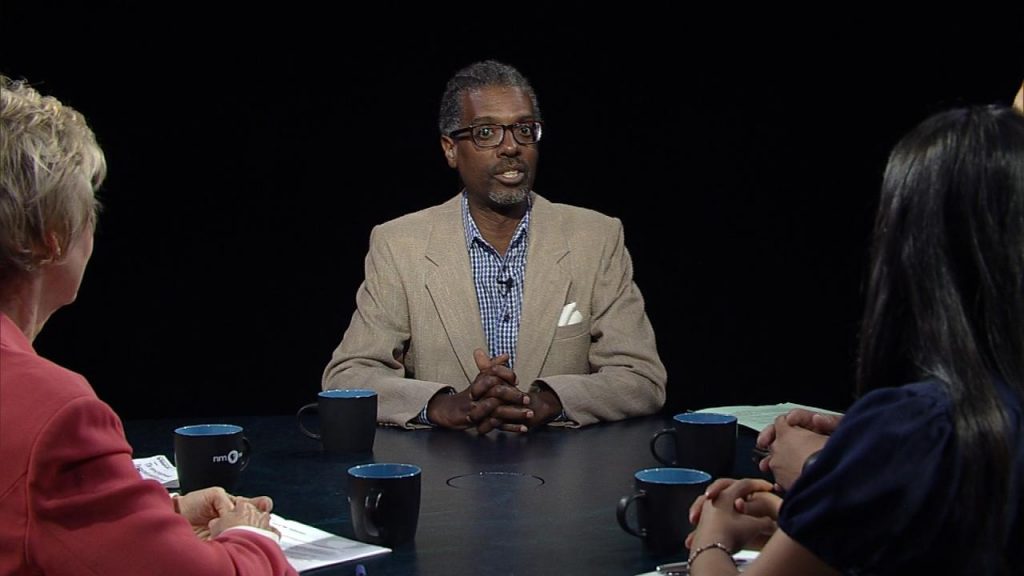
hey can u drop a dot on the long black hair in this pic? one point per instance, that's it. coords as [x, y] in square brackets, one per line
[945, 295]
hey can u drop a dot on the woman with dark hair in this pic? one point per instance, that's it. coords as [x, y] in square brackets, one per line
[925, 477]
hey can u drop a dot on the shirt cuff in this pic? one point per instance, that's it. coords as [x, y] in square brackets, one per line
[562, 416]
[265, 533]
[421, 418]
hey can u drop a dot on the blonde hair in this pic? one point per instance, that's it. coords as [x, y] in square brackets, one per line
[50, 168]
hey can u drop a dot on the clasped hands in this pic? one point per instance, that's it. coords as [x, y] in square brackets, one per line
[211, 511]
[743, 513]
[790, 440]
[492, 401]
[735, 513]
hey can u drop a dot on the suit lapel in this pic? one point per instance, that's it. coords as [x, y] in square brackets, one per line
[544, 290]
[450, 284]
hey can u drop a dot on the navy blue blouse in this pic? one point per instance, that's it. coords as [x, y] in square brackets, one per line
[880, 497]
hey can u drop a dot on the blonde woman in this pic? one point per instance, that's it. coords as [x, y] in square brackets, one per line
[70, 498]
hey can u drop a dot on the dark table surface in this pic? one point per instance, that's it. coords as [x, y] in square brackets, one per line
[539, 503]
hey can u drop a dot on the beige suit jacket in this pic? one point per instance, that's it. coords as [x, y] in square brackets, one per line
[417, 320]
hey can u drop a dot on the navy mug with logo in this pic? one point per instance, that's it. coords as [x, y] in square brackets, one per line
[210, 455]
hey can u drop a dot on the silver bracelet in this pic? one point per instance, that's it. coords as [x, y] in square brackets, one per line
[706, 547]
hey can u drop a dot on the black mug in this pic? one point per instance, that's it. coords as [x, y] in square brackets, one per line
[348, 420]
[703, 441]
[385, 502]
[663, 497]
[210, 455]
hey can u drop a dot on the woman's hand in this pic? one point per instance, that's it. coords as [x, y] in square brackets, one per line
[735, 513]
[210, 511]
[791, 439]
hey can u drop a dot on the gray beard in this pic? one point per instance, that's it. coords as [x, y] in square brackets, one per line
[508, 197]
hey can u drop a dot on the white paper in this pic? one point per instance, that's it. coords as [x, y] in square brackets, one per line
[307, 547]
[758, 417]
[157, 468]
[304, 546]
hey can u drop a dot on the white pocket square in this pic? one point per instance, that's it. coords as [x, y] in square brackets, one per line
[570, 315]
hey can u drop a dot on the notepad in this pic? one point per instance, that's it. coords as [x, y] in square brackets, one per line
[758, 417]
[308, 548]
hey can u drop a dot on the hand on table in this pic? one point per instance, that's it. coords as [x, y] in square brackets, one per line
[513, 410]
[791, 439]
[210, 511]
[493, 402]
[493, 387]
[736, 513]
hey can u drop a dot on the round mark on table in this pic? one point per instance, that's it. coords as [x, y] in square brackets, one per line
[496, 480]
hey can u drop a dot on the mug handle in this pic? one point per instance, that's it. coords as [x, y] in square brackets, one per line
[247, 451]
[305, 430]
[654, 442]
[620, 513]
[370, 506]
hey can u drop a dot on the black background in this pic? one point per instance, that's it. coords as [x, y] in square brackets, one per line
[251, 150]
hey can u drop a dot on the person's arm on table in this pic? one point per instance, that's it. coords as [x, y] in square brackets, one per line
[212, 511]
[491, 398]
[739, 516]
[372, 352]
[627, 377]
[793, 439]
[522, 411]
[90, 512]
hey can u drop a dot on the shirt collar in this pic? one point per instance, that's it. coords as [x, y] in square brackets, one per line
[472, 232]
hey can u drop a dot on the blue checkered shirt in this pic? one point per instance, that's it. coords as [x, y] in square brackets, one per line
[499, 287]
[499, 284]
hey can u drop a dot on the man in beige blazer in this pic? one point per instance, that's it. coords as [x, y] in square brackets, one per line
[498, 308]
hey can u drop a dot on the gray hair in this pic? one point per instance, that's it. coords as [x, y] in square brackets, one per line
[50, 168]
[474, 77]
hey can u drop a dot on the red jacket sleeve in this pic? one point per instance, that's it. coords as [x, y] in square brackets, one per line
[89, 511]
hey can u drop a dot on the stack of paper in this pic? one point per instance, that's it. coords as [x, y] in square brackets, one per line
[158, 468]
[307, 548]
[758, 417]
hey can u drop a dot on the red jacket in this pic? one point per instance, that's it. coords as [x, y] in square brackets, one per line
[71, 501]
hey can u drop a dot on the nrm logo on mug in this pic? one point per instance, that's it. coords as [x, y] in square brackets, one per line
[231, 457]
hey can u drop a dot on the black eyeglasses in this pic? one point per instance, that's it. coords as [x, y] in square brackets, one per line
[492, 135]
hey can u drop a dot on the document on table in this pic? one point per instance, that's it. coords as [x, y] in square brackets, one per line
[158, 468]
[757, 417]
[305, 547]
